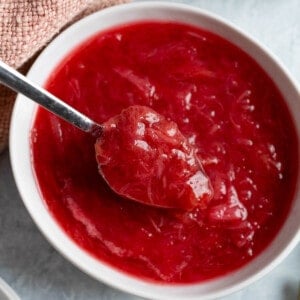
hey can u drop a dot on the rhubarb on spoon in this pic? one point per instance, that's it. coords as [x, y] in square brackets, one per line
[144, 157]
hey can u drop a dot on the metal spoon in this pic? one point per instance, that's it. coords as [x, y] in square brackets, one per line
[19, 83]
[200, 191]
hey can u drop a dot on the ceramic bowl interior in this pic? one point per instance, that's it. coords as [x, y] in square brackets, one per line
[24, 112]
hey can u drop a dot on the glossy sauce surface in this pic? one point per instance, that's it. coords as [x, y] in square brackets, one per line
[222, 102]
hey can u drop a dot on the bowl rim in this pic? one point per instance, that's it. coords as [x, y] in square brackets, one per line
[55, 234]
[7, 292]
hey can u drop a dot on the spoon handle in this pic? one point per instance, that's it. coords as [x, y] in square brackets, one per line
[19, 83]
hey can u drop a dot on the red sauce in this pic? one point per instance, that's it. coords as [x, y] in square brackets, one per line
[144, 157]
[229, 110]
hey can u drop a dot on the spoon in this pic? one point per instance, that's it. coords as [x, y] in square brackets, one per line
[20, 84]
[140, 154]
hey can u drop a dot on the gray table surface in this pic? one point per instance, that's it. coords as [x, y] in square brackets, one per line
[36, 271]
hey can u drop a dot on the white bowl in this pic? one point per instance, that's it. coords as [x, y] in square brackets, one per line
[22, 120]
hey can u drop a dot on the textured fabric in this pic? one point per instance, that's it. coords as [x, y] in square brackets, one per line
[26, 26]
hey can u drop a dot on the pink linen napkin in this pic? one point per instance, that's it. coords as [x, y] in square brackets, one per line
[26, 26]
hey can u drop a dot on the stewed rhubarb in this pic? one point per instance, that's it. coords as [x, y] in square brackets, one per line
[145, 157]
[230, 116]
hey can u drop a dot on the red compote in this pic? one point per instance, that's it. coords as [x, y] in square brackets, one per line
[146, 158]
[227, 108]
